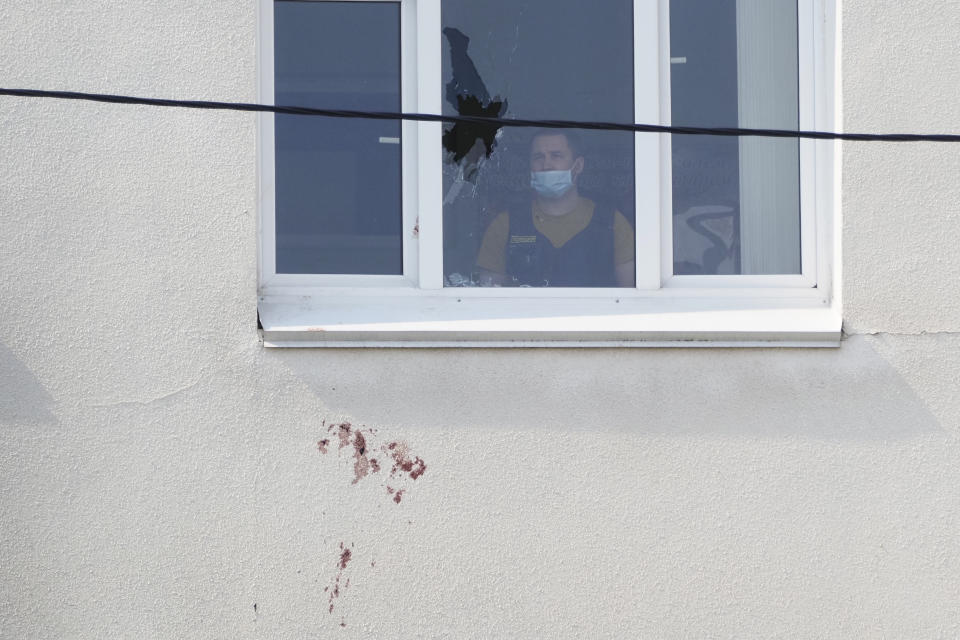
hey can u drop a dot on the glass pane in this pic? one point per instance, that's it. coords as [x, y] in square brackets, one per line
[528, 207]
[736, 202]
[338, 180]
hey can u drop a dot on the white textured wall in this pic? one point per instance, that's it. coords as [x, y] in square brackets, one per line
[160, 472]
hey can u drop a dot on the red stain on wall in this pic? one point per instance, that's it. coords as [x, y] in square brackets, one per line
[334, 588]
[361, 464]
[342, 431]
[404, 467]
[403, 462]
[362, 441]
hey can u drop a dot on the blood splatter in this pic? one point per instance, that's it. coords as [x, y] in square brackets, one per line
[419, 467]
[360, 443]
[363, 442]
[334, 588]
[403, 462]
[343, 432]
[361, 465]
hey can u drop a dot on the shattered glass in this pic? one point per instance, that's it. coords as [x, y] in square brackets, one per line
[535, 59]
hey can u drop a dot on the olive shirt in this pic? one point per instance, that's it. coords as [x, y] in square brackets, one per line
[558, 230]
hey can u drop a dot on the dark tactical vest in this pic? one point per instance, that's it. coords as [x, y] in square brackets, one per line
[586, 260]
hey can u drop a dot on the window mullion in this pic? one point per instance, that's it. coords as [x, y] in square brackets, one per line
[409, 134]
[647, 29]
[266, 182]
[806, 57]
[430, 185]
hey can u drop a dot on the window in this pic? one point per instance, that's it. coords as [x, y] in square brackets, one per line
[382, 232]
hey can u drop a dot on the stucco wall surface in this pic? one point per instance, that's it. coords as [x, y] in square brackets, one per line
[900, 206]
[161, 472]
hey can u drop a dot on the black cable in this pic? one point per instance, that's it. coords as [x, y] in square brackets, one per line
[503, 122]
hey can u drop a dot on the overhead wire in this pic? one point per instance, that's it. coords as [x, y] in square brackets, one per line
[482, 120]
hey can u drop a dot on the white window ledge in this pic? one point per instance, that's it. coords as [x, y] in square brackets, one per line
[445, 321]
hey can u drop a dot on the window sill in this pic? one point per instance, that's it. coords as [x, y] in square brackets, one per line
[445, 321]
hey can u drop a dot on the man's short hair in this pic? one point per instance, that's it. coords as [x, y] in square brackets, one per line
[574, 141]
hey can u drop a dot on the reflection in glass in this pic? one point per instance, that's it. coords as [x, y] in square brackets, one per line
[736, 202]
[526, 207]
[338, 198]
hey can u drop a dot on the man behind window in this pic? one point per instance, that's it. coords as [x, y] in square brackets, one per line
[559, 238]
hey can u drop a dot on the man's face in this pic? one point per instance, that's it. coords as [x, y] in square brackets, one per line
[553, 153]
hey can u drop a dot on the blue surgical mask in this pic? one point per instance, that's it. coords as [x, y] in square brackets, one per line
[551, 184]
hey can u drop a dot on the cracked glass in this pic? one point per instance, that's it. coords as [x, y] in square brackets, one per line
[529, 207]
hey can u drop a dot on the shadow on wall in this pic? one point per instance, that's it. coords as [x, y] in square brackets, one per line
[851, 393]
[23, 400]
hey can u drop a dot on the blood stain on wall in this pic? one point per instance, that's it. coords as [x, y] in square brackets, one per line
[403, 463]
[397, 494]
[334, 589]
[362, 441]
[343, 432]
[404, 466]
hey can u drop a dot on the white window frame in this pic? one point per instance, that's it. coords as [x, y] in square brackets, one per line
[414, 309]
